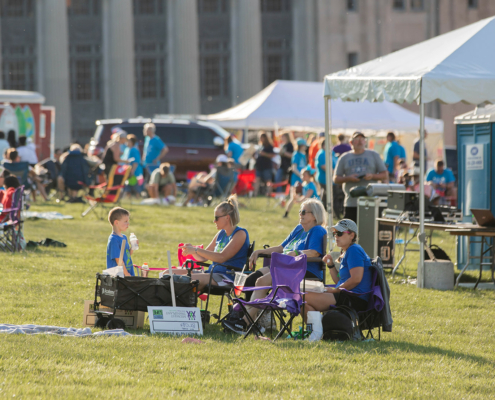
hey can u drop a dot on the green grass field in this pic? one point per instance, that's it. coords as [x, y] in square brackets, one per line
[442, 344]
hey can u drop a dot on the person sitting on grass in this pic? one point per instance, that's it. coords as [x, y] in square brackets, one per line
[13, 158]
[229, 246]
[162, 182]
[198, 186]
[6, 196]
[354, 274]
[306, 238]
[119, 219]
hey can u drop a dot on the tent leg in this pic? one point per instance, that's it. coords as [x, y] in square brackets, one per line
[421, 191]
[328, 165]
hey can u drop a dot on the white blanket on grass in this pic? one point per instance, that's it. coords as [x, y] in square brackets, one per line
[57, 330]
[50, 215]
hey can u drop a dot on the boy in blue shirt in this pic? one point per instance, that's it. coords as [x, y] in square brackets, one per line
[119, 219]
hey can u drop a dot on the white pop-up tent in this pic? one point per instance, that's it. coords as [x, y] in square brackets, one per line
[456, 66]
[297, 105]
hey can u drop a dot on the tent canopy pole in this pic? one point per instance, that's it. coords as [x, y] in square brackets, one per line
[329, 175]
[421, 190]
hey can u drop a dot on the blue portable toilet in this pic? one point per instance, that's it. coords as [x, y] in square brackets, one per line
[476, 189]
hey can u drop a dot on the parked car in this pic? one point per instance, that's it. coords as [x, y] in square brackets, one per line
[193, 145]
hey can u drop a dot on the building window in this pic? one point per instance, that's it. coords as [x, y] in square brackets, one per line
[215, 71]
[85, 72]
[213, 6]
[18, 67]
[84, 7]
[143, 7]
[275, 5]
[352, 5]
[276, 60]
[399, 4]
[150, 71]
[17, 8]
[352, 59]
[472, 3]
[417, 5]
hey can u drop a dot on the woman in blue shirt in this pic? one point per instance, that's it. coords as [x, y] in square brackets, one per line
[306, 238]
[299, 162]
[354, 274]
[228, 247]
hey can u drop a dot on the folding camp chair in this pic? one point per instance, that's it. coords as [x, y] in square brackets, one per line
[226, 290]
[245, 183]
[111, 189]
[11, 228]
[287, 275]
[225, 180]
[377, 315]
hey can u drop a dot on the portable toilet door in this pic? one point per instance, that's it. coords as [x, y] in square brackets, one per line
[475, 149]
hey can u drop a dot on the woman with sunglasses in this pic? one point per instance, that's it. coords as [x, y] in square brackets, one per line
[228, 247]
[306, 238]
[354, 274]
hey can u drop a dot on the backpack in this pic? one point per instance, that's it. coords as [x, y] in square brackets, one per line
[341, 323]
[438, 252]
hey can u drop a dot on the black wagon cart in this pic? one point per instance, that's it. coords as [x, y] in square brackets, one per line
[137, 293]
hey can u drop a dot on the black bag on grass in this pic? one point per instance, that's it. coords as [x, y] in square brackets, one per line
[438, 252]
[341, 323]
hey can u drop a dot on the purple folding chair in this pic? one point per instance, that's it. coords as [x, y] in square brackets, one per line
[12, 226]
[287, 273]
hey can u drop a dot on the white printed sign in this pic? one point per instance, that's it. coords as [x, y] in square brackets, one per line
[474, 157]
[175, 320]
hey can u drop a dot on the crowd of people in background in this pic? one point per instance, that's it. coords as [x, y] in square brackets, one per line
[285, 165]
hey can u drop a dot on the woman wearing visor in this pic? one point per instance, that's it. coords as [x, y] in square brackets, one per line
[354, 274]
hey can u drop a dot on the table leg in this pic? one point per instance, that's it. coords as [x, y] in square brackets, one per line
[467, 263]
[403, 255]
[481, 263]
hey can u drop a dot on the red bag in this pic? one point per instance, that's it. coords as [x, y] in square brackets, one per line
[182, 258]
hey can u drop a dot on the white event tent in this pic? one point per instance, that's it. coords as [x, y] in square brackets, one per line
[456, 66]
[297, 105]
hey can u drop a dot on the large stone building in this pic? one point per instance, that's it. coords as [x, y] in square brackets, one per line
[97, 59]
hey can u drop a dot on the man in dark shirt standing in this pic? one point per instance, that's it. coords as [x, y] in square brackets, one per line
[342, 147]
[416, 153]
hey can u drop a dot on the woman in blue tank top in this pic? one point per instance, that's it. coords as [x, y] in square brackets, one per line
[229, 247]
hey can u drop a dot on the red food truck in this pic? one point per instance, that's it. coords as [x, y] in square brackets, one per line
[22, 113]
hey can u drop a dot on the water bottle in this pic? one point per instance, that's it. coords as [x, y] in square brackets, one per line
[134, 242]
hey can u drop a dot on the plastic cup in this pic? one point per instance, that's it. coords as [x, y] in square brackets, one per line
[239, 282]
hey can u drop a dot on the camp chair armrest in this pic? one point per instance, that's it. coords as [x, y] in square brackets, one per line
[8, 210]
[115, 187]
[202, 264]
[288, 289]
[262, 255]
[314, 259]
[100, 186]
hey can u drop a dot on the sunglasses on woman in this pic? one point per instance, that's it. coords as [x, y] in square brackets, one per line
[339, 234]
[217, 217]
[304, 212]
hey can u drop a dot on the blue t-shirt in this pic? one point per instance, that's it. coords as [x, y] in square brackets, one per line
[310, 240]
[236, 150]
[152, 149]
[392, 149]
[299, 159]
[445, 177]
[238, 260]
[321, 175]
[354, 257]
[310, 186]
[113, 252]
[133, 153]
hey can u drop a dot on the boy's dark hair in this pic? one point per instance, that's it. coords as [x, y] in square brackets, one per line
[22, 141]
[12, 154]
[2, 135]
[11, 182]
[116, 214]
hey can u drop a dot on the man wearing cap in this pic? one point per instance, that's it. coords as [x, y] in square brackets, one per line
[358, 167]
